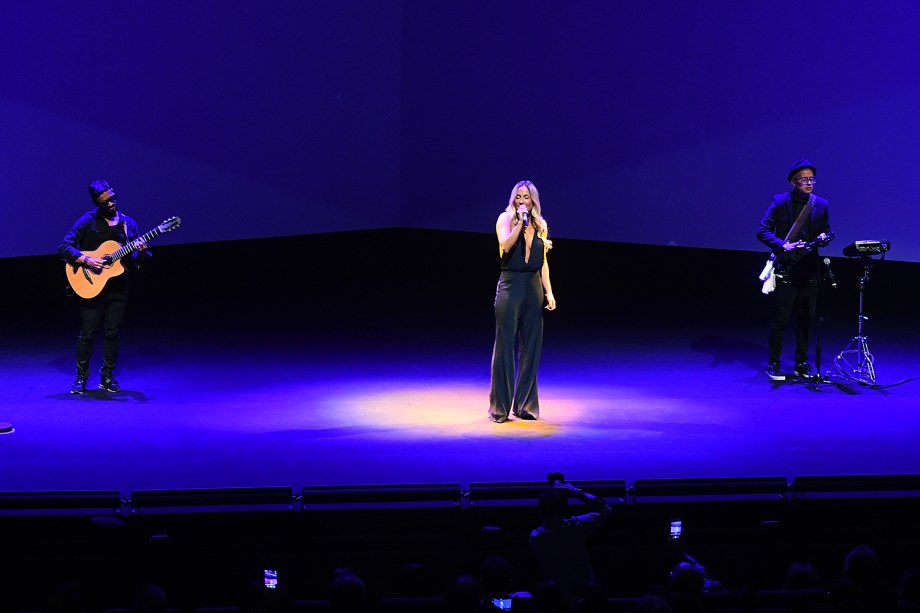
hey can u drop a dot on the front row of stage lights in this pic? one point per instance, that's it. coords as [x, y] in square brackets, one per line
[643, 492]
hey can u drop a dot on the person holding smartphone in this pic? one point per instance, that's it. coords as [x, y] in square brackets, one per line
[560, 542]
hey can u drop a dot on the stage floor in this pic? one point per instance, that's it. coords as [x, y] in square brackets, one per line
[201, 411]
[350, 374]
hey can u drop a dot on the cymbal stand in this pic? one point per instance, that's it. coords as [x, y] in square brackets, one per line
[856, 362]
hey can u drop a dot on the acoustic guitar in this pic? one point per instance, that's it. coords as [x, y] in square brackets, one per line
[88, 283]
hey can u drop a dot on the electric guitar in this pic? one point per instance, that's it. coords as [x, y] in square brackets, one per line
[88, 283]
[774, 267]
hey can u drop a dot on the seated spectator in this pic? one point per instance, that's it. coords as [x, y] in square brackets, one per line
[498, 580]
[347, 593]
[693, 576]
[909, 590]
[652, 604]
[860, 585]
[463, 595]
[861, 567]
[151, 599]
[686, 578]
[690, 582]
[802, 576]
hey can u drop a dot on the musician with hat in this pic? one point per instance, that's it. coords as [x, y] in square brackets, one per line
[794, 225]
[105, 222]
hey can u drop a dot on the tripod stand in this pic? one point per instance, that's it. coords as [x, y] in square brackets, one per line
[855, 362]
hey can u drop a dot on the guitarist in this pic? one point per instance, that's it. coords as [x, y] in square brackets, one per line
[786, 230]
[103, 223]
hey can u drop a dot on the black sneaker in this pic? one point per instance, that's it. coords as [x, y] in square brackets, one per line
[109, 384]
[803, 370]
[79, 386]
[774, 372]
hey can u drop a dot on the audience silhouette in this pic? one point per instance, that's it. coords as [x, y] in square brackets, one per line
[347, 592]
[553, 572]
[560, 542]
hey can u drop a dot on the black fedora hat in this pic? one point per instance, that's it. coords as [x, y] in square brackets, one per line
[800, 165]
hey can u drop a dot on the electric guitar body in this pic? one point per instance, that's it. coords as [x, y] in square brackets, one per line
[775, 266]
[788, 260]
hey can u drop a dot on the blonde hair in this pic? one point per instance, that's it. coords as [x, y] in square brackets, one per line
[536, 213]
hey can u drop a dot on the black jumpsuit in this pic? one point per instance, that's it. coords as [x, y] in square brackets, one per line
[518, 329]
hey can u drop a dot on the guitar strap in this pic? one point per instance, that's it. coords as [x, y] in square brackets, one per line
[802, 218]
[767, 274]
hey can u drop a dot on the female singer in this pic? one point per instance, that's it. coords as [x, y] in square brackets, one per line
[523, 244]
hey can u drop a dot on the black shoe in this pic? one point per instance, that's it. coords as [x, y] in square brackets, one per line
[79, 386]
[774, 372]
[804, 370]
[109, 384]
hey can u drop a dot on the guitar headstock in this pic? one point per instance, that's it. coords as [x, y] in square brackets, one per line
[170, 224]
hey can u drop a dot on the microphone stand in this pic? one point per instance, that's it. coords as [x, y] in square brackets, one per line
[821, 277]
[819, 318]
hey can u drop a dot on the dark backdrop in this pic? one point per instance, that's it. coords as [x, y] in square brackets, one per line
[658, 123]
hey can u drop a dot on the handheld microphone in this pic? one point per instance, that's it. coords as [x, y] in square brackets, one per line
[525, 218]
[830, 273]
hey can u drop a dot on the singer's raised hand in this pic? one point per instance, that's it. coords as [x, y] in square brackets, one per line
[523, 213]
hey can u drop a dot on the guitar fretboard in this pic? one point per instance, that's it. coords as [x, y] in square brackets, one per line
[130, 246]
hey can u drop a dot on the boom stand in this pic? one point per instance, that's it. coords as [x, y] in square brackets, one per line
[863, 369]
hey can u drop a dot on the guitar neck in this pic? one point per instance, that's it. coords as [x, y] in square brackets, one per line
[129, 248]
[820, 242]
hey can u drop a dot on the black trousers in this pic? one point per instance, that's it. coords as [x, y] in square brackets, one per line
[518, 338]
[108, 311]
[793, 296]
